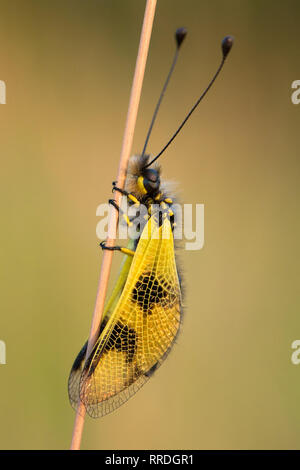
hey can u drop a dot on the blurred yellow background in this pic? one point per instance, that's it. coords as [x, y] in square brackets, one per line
[68, 65]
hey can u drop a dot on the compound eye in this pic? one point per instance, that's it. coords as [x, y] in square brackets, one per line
[151, 175]
[151, 186]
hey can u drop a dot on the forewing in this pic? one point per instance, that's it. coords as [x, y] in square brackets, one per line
[74, 377]
[142, 327]
[77, 367]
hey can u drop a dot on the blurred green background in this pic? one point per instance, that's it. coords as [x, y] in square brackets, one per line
[68, 65]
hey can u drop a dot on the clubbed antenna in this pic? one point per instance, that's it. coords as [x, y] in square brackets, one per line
[180, 34]
[226, 45]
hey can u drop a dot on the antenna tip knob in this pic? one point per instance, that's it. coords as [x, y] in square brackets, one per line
[227, 44]
[180, 35]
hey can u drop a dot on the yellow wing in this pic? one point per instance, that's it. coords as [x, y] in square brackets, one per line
[141, 329]
[74, 377]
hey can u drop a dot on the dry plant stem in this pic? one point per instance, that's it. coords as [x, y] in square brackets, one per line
[113, 218]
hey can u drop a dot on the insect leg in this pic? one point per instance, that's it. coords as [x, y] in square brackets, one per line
[121, 212]
[124, 250]
[126, 193]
